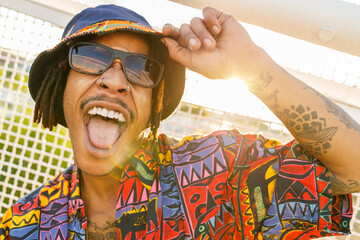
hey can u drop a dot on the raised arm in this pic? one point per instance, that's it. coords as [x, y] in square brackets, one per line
[217, 46]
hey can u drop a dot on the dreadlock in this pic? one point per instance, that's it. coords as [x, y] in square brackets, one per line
[49, 100]
[157, 106]
[158, 93]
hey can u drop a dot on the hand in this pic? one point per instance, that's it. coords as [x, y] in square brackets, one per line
[216, 46]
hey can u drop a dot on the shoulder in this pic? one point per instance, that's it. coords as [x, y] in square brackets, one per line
[21, 217]
[224, 145]
[224, 137]
[25, 213]
[228, 148]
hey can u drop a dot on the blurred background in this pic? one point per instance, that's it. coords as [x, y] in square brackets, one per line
[315, 40]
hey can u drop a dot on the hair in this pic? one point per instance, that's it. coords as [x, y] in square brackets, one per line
[49, 100]
[157, 107]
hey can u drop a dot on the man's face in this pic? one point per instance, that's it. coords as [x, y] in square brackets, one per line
[100, 143]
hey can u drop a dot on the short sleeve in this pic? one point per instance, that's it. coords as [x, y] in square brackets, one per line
[302, 204]
[282, 192]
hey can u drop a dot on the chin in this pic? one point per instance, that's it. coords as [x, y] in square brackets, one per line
[95, 161]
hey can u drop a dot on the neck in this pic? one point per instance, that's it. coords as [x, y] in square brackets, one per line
[99, 193]
[101, 185]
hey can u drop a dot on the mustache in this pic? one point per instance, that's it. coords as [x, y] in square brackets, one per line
[103, 97]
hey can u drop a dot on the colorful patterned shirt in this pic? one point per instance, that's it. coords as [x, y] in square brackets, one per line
[224, 185]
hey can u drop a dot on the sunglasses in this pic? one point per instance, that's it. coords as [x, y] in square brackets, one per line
[95, 59]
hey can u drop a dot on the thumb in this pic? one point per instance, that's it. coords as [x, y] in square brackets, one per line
[176, 51]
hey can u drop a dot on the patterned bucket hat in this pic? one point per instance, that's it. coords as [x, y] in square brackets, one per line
[105, 19]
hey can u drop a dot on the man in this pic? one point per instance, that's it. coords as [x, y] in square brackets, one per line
[111, 77]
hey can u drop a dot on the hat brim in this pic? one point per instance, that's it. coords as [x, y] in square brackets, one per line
[174, 73]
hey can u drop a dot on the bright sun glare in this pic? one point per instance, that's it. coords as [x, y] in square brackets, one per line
[228, 95]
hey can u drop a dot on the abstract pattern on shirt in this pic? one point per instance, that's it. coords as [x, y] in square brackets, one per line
[220, 186]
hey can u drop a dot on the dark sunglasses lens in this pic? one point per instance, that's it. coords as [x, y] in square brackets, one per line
[92, 59]
[142, 70]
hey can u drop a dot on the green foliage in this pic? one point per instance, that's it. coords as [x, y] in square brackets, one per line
[25, 148]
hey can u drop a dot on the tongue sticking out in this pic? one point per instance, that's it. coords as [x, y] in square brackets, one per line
[103, 133]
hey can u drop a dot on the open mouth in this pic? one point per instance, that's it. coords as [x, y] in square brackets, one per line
[105, 127]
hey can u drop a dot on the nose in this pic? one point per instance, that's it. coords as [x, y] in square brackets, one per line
[114, 78]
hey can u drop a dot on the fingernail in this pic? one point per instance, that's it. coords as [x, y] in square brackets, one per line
[171, 26]
[192, 43]
[207, 42]
[215, 29]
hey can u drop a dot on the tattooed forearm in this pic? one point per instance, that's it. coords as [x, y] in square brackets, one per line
[104, 232]
[343, 187]
[272, 99]
[333, 108]
[310, 130]
[345, 118]
[261, 83]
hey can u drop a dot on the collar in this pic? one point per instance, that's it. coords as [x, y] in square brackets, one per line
[75, 201]
[145, 162]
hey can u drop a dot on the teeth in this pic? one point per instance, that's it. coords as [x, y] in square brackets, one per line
[107, 113]
[104, 112]
[92, 111]
[121, 118]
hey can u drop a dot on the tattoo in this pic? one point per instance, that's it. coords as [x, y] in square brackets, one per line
[308, 126]
[342, 187]
[273, 97]
[265, 80]
[333, 108]
[261, 83]
[94, 231]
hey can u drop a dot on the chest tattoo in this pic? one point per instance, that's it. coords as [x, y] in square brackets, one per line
[104, 231]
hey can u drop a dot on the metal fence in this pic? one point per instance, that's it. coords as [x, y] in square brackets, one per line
[29, 154]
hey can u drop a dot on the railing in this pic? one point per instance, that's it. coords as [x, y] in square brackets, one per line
[29, 154]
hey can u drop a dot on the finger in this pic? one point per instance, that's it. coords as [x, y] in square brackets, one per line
[177, 52]
[213, 19]
[202, 33]
[188, 38]
[169, 30]
[176, 34]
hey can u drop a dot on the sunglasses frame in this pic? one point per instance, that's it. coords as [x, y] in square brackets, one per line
[115, 53]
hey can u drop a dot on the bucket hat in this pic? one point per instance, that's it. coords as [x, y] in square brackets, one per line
[105, 19]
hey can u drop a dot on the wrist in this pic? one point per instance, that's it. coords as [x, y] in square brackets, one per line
[256, 69]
